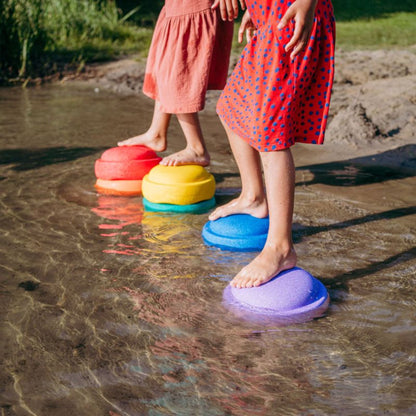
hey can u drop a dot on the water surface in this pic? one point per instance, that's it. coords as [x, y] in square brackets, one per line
[110, 310]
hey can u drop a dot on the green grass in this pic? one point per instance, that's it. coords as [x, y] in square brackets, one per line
[352, 10]
[132, 40]
[375, 23]
[395, 30]
[38, 37]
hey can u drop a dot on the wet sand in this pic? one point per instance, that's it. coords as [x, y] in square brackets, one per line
[109, 310]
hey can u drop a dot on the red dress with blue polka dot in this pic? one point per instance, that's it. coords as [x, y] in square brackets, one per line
[271, 100]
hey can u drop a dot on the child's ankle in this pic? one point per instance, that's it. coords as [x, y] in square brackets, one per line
[253, 199]
[198, 150]
[285, 248]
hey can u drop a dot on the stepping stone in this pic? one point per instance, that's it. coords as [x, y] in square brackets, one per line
[120, 170]
[293, 294]
[239, 232]
[178, 185]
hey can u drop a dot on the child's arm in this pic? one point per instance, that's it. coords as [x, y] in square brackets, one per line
[228, 8]
[303, 13]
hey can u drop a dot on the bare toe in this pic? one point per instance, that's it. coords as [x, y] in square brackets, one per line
[186, 156]
[127, 142]
[154, 142]
[268, 264]
[256, 208]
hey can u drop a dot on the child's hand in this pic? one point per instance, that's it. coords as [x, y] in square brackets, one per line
[247, 26]
[228, 8]
[303, 13]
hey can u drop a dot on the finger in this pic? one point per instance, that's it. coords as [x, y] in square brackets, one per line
[221, 6]
[243, 4]
[215, 4]
[300, 46]
[249, 34]
[241, 33]
[287, 17]
[242, 29]
[230, 9]
[297, 33]
[235, 6]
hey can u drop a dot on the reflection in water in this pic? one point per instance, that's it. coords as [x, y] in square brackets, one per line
[200, 369]
[110, 310]
[122, 212]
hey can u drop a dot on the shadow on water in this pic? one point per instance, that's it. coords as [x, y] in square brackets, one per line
[365, 170]
[221, 177]
[340, 281]
[401, 164]
[300, 231]
[393, 164]
[358, 171]
[27, 159]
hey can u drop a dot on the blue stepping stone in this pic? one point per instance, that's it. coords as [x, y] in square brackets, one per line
[293, 295]
[196, 208]
[239, 232]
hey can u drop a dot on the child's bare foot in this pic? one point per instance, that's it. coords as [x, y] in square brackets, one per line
[155, 142]
[241, 205]
[186, 156]
[270, 262]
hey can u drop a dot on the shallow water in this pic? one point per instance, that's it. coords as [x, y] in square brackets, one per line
[109, 310]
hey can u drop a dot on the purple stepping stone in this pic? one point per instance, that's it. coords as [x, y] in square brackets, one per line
[293, 295]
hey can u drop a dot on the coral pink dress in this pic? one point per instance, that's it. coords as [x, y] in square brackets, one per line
[189, 54]
[270, 100]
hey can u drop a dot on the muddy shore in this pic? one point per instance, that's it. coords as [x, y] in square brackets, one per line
[373, 107]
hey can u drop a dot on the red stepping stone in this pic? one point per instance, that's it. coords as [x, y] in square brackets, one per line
[126, 163]
[120, 170]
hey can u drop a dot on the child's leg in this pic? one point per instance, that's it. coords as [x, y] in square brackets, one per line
[156, 136]
[195, 152]
[278, 253]
[252, 199]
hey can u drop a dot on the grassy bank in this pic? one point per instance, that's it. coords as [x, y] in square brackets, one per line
[40, 37]
[395, 30]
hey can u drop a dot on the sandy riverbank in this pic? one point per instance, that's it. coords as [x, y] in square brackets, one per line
[373, 107]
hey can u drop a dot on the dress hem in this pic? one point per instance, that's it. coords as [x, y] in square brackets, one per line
[182, 110]
[263, 150]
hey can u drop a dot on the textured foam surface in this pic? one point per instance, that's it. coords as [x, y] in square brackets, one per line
[199, 207]
[292, 293]
[239, 232]
[178, 185]
[123, 153]
[126, 163]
